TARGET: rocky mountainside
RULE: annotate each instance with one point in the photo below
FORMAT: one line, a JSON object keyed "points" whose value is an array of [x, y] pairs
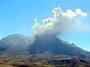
{"points": [[42, 45], [53, 45], [14, 44]]}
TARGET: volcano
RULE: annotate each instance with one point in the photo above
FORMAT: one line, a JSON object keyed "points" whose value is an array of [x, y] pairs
{"points": [[55, 46], [45, 44]]}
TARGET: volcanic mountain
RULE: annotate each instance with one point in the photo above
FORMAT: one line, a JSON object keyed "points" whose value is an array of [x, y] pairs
{"points": [[47, 44], [14, 44], [53, 45]]}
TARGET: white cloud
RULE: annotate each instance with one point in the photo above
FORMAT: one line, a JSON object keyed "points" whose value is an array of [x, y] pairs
{"points": [[60, 22], [79, 12]]}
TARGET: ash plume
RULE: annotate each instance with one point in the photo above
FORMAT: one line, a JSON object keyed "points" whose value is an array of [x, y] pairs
{"points": [[60, 22]]}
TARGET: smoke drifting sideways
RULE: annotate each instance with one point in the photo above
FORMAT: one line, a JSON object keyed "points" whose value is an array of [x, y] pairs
{"points": [[60, 22]]}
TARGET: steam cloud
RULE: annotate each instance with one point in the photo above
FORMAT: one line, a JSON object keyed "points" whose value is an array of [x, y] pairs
{"points": [[60, 22]]}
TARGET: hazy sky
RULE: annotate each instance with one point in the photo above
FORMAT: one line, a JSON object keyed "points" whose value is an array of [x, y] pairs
{"points": [[17, 16]]}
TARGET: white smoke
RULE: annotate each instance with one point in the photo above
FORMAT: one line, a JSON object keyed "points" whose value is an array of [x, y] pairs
{"points": [[60, 22]]}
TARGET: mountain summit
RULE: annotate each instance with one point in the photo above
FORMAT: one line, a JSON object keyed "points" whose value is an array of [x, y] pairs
{"points": [[20, 44], [53, 45], [14, 44]]}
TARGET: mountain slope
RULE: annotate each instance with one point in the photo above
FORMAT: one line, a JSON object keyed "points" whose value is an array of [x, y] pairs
{"points": [[40, 45], [54, 46], [14, 44]]}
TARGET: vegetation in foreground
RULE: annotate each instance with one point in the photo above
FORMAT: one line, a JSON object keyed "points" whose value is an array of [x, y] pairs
{"points": [[23, 61]]}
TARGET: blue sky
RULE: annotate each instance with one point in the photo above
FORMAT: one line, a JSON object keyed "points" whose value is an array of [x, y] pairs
{"points": [[17, 16]]}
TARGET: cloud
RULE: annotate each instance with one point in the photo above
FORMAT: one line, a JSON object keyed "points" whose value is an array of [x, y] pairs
{"points": [[60, 22]]}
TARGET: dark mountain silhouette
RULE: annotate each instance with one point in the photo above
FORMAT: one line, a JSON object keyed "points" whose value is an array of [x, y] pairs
{"points": [[14, 44], [47, 44], [53, 45]]}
